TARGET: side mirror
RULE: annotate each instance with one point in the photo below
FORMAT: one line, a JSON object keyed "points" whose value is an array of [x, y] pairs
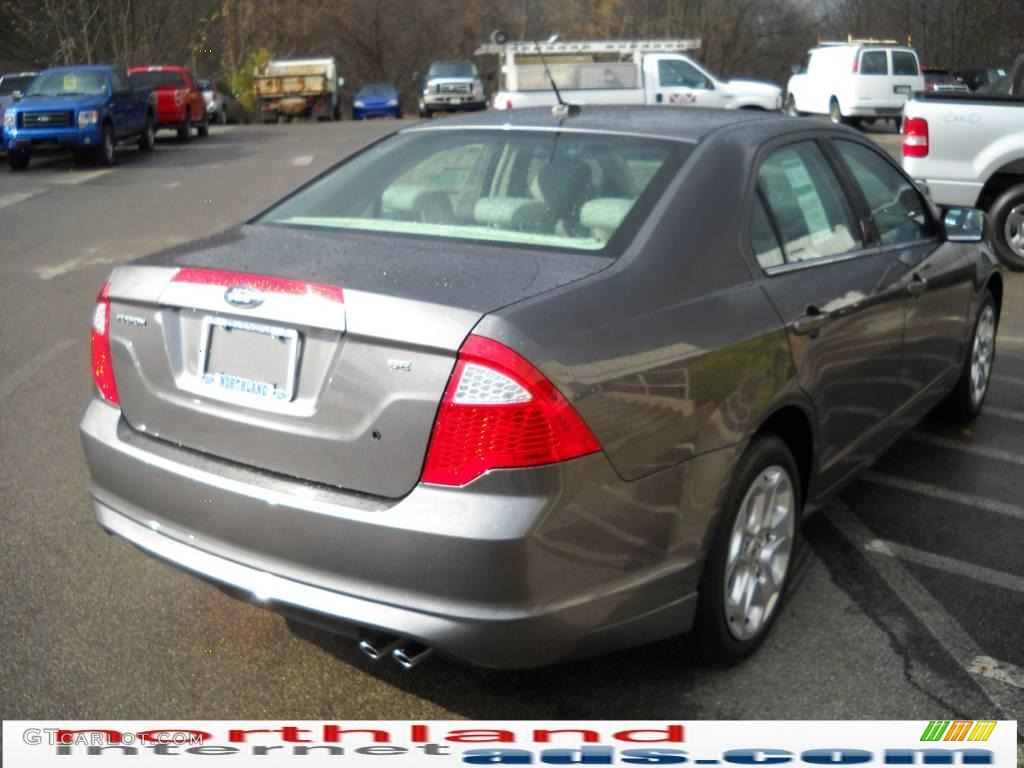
{"points": [[964, 225], [795, 69], [341, 81], [16, 95]]}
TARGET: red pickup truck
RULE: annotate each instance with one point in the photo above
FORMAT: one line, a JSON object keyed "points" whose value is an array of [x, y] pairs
{"points": [[179, 102]]}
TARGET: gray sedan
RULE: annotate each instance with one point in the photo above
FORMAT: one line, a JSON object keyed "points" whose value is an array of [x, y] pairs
{"points": [[520, 389]]}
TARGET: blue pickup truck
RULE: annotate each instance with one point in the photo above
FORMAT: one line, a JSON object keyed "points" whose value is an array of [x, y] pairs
{"points": [[88, 110]]}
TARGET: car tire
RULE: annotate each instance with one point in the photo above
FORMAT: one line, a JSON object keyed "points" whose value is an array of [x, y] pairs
{"points": [[749, 555], [203, 129], [18, 159], [185, 131], [791, 109], [968, 396], [148, 138], [337, 114], [835, 112], [1007, 217], [105, 152]]}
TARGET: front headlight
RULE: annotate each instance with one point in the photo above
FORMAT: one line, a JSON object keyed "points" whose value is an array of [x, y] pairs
{"points": [[88, 117], [392, 102], [359, 104], [8, 119]]}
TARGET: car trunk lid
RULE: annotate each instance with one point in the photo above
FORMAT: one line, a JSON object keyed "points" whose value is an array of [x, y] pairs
{"points": [[308, 354]]}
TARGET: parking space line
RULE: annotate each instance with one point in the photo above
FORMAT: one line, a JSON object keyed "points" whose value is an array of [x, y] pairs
{"points": [[23, 373], [935, 619], [1015, 380], [1002, 671], [18, 197], [945, 494], [960, 445], [947, 564], [1004, 413], [77, 177], [302, 160]]}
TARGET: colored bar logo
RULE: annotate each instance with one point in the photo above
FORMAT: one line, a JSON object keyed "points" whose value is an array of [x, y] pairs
{"points": [[958, 730]]}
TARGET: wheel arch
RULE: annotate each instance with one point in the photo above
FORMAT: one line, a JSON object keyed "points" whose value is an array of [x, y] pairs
{"points": [[792, 424], [995, 286], [1005, 177]]}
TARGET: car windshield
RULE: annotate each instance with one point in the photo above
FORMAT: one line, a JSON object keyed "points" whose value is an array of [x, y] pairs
{"points": [[452, 69], [567, 191], [376, 89], [15, 83], [204, 85], [157, 79], [65, 83]]}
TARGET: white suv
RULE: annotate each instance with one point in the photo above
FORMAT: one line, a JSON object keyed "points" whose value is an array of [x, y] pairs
{"points": [[853, 81]]}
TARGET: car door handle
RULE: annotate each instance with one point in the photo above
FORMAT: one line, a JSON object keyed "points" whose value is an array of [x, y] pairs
{"points": [[917, 285], [812, 321]]}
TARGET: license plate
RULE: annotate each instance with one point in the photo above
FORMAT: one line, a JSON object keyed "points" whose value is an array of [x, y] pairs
{"points": [[901, 88], [240, 360], [455, 100]]}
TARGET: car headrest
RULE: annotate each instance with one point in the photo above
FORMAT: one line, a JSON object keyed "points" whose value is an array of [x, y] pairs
{"points": [[604, 215], [418, 202], [513, 213]]}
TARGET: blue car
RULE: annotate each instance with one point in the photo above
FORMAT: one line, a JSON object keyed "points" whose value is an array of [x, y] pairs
{"points": [[88, 109], [377, 100]]}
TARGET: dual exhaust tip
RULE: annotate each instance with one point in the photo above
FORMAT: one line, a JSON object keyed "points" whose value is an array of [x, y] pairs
{"points": [[408, 653]]}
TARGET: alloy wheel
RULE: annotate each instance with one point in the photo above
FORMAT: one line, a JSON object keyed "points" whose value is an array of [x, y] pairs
{"points": [[982, 353], [1013, 230], [758, 557]]}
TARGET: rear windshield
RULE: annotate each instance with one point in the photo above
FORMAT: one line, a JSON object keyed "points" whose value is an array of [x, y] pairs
{"points": [[65, 83], [452, 69], [904, 63], [566, 191], [17, 83], [157, 80], [204, 85]]}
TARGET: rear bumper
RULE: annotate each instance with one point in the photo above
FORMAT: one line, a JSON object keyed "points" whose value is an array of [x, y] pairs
{"points": [[519, 569]]}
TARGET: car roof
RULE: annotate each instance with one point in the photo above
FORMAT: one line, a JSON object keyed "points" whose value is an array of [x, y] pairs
{"points": [[158, 68], [688, 124]]}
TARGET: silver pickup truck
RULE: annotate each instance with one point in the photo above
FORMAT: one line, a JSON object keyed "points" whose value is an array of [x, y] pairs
{"points": [[967, 150]]}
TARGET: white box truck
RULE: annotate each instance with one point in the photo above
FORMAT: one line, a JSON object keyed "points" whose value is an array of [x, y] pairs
{"points": [[623, 72]]}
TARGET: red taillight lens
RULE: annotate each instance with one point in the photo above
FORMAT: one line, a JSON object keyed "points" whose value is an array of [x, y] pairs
{"points": [[856, 66], [915, 137], [102, 368], [499, 412]]}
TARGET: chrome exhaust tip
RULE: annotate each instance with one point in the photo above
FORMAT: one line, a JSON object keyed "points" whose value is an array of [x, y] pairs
{"points": [[412, 654], [378, 645]]}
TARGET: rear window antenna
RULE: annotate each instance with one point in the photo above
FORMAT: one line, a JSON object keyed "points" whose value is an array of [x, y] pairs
{"points": [[563, 109]]}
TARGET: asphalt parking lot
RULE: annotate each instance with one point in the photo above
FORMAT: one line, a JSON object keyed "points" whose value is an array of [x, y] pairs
{"points": [[908, 600]]}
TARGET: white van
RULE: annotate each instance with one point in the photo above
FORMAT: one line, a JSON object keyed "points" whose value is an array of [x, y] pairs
{"points": [[856, 80]]}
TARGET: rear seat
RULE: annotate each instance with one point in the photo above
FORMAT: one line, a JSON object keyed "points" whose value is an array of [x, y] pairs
{"points": [[516, 213], [414, 203]]}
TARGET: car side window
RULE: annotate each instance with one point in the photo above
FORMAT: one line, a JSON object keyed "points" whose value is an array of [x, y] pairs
{"points": [[120, 81], [810, 208], [679, 73], [898, 208], [762, 237], [874, 63]]}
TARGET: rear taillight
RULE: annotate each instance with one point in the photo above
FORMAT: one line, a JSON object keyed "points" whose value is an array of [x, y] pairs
{"points": [[856, 66], [499, 412], [102, 368], [915, 137]]}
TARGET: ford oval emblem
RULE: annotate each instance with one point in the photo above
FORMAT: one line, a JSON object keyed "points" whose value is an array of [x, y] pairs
{"points": [[243, 296]]}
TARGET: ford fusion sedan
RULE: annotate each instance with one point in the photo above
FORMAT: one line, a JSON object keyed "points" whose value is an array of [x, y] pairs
{"points": [[518, 390]]}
